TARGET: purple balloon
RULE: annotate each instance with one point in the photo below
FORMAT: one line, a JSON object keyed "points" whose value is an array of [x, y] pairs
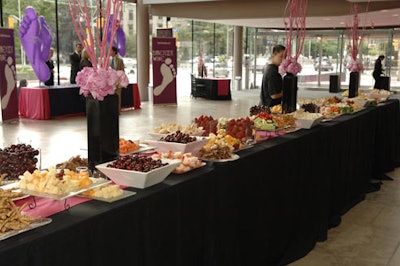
{"points": [[36, 40], [119, 39]]}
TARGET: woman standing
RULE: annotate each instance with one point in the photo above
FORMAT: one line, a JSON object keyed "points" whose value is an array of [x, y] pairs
{"points": [[378, 71]]}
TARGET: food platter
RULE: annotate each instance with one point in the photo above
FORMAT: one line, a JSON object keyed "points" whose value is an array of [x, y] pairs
{"points": [[38, 223], [165, 146], [185, 171], [96, 183], [125, 194], [233, 158], [138, 179], [143, 147], [14, 188]]}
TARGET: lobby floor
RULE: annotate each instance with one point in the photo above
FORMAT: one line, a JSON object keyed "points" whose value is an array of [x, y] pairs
{"points": [[368, 235]]}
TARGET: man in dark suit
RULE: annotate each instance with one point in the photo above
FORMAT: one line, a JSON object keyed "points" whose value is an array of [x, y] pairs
{"points": [[50, 65], [75, 59]]}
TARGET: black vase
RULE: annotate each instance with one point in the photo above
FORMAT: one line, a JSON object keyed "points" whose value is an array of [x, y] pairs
{"points": [[102, 129], [354, 84], [289, 98]]}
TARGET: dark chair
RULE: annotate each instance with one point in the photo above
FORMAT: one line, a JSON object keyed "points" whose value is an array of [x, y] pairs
{"points": [[197, 88]]}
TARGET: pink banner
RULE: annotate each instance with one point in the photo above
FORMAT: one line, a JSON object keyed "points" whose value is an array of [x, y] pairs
{"points": [[164, 70], [8, 84]]}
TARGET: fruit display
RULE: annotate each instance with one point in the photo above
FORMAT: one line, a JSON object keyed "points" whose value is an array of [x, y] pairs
{"points": [[240, 128], [265, 121], [16, 159], [310, 107], [178, 137], [127, 146], [208, 123], [256, 109], [136, 162]]}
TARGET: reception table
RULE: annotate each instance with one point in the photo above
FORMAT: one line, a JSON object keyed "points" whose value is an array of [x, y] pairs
{"points": [[50, 102], [269, 207], [214, 88]]}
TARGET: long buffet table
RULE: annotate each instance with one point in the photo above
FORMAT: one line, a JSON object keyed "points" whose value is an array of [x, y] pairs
{"points": [[269, 207], [49, 102]]}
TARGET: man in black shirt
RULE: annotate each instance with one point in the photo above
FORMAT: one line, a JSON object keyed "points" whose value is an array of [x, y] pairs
{"points": [[271, 86]]}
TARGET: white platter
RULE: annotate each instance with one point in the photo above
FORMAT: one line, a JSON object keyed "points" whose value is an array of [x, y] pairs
{"points": [[165, 146], [178, 173], [143, 147], [96, 183], [233, 158], [138, 179], [125, 194], [308, 123], [39, 222], [14, 188]]}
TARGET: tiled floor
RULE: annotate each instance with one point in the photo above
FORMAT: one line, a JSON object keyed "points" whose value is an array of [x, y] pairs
{"points": [[368, 235]]}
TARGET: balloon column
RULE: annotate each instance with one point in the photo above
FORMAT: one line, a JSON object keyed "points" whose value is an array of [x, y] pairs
{"points": [[36, 40], [119, 41]]}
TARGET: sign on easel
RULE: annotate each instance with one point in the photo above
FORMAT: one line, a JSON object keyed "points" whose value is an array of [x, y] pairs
{"points": [[8, 76], [164, 70]]}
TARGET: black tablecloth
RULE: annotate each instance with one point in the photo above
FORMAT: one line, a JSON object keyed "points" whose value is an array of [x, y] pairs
{"points": [[66, 101], [269, 207], [214, 88]]}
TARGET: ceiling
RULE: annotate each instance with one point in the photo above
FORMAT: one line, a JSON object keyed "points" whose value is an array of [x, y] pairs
{"points": [[321, 14]]}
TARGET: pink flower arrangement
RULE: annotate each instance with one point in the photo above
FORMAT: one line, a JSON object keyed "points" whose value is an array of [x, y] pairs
{"points": [[296, 21], [290, 66], [100, 82], [355, 66]]}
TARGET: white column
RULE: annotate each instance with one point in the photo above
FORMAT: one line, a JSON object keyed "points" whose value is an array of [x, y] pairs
{"points": [[143, 49], [238, 52]]}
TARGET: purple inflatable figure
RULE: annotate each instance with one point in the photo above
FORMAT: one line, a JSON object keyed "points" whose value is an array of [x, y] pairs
{"points": [[36, 40], [120, 37]]}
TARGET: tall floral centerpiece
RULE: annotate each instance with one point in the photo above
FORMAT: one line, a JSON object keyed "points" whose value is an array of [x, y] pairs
{"points": [[294, 22], [98, 83], [354, 66]]}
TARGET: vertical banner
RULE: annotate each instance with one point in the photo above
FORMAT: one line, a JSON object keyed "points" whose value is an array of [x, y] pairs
{"points": [[164, 70], [8, 84]]}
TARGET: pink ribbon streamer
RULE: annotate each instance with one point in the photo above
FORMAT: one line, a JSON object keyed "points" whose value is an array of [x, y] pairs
{"points": [[294, 23], [82, 22]]}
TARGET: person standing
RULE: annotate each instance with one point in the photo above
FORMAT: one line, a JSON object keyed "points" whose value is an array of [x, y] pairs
{"points": [[50, 65], [271, 86], [75, 60], [378, 71], [117, 63], [85, 61]]}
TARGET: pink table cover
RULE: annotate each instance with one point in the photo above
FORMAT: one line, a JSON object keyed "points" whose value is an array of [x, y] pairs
{"points": [[34, 103]]}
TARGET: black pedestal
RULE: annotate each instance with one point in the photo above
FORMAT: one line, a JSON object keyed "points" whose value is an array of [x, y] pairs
{"points": [[354, 84], [102, 129], [289, 98], [334, 83], [385, 83]]}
